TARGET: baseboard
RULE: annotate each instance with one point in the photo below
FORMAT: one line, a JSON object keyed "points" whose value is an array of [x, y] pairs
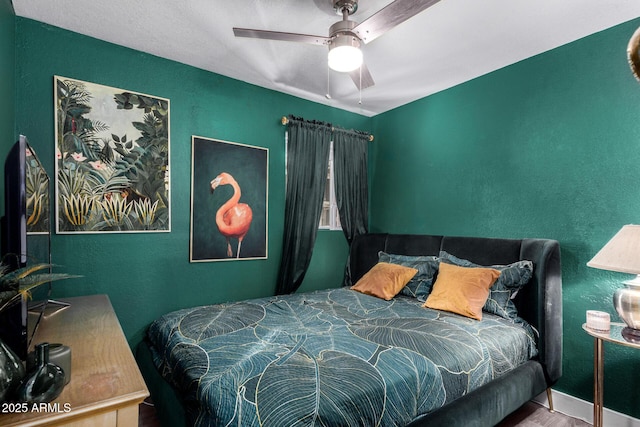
{"points": [[583, 410]]}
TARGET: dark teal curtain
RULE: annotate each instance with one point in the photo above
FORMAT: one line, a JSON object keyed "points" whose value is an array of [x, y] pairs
{"points": [[350, 167], [351, 180], [307, 158]]}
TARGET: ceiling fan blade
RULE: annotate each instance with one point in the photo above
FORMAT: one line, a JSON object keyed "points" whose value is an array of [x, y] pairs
{"points": [[276, 35], [365, 77], [390, 16]]}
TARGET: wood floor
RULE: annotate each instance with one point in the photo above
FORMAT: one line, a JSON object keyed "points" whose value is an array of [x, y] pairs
{"points": [[536, 415], [530, 415]]}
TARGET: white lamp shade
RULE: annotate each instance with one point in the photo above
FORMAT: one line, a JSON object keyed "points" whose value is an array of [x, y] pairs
{"points": [[621, 253], [345, 58]]}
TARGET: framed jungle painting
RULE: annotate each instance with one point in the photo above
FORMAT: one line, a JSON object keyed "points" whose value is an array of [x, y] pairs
{"points": [[112, 159]]}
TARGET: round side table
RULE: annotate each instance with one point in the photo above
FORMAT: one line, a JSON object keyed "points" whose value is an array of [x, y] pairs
{"points": [[615, 335]]}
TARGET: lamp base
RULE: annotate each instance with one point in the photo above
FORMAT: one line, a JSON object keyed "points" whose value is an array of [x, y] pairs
{"points": [[631, 335], [627, 303]]}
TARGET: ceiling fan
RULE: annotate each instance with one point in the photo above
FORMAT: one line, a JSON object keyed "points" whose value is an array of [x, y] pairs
{"points": [[346, 36]]}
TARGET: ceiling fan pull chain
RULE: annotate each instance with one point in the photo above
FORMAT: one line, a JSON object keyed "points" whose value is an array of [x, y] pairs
{"points": [[360, 87], [328, 94]]}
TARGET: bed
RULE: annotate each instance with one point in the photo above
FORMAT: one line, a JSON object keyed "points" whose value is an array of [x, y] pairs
{"points": [[344, 357]]}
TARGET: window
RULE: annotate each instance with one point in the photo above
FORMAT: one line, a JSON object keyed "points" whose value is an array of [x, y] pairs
{"points": [[330, 218]]}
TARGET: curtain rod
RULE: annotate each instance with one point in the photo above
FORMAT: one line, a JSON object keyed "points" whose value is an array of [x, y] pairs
{"points": [[285, 120]]}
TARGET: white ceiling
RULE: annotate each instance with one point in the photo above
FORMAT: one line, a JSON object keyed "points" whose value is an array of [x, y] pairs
{"points": [[450, 43]]}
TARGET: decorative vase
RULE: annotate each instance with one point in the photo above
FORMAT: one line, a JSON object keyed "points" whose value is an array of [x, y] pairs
{"points": [[44, 382], [11, 371], [627, 303]]}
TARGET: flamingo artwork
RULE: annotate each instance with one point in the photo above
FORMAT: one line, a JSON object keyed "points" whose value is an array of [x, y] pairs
{"points": [[232, 218]]}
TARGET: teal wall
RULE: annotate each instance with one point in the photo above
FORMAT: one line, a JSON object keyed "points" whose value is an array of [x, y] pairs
{"points": [[548, 147], [149, 274], [7, 80]]}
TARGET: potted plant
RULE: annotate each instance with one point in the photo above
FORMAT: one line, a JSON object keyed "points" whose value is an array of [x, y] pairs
{"points": [[14, 285], [20, 282]]}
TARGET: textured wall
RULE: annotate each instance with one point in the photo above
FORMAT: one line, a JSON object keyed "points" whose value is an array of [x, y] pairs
{"points": [[7, 81], [146, 275], [548, 147]]}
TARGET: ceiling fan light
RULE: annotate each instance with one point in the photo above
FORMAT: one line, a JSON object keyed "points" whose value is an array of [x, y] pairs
{"points": [[345, 57]]}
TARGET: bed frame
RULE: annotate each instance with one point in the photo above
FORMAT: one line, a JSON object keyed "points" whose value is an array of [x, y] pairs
{"points": [[539, 302]]}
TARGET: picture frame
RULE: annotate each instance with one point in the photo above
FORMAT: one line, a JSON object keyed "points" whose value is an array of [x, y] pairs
{"points": [[37, 192], [112, 159], [229, 201]]}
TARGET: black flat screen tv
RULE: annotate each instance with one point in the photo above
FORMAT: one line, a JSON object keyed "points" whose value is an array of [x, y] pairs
{"points": [[26, 240], [14, 230], [13, 319]]}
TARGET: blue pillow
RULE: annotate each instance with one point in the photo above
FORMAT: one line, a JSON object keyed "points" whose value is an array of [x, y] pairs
{"points": [[512, 278], [420, 285]]}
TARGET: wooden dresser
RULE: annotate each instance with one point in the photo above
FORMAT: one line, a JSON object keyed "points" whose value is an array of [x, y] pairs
{"points": [[106, 386]]}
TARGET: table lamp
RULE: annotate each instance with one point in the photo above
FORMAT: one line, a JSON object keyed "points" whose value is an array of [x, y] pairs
{"points": [[622, 254]]}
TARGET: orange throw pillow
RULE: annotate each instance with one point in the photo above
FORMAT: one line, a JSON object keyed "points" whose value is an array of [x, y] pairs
{"points": [[461, 290], [384, 280]]}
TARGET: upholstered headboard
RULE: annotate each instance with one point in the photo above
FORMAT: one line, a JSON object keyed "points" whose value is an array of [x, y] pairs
{"points": [[539, 302]]}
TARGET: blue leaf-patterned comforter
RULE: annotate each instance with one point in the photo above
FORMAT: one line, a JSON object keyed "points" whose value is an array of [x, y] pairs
{"points": [[329, 358]]}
